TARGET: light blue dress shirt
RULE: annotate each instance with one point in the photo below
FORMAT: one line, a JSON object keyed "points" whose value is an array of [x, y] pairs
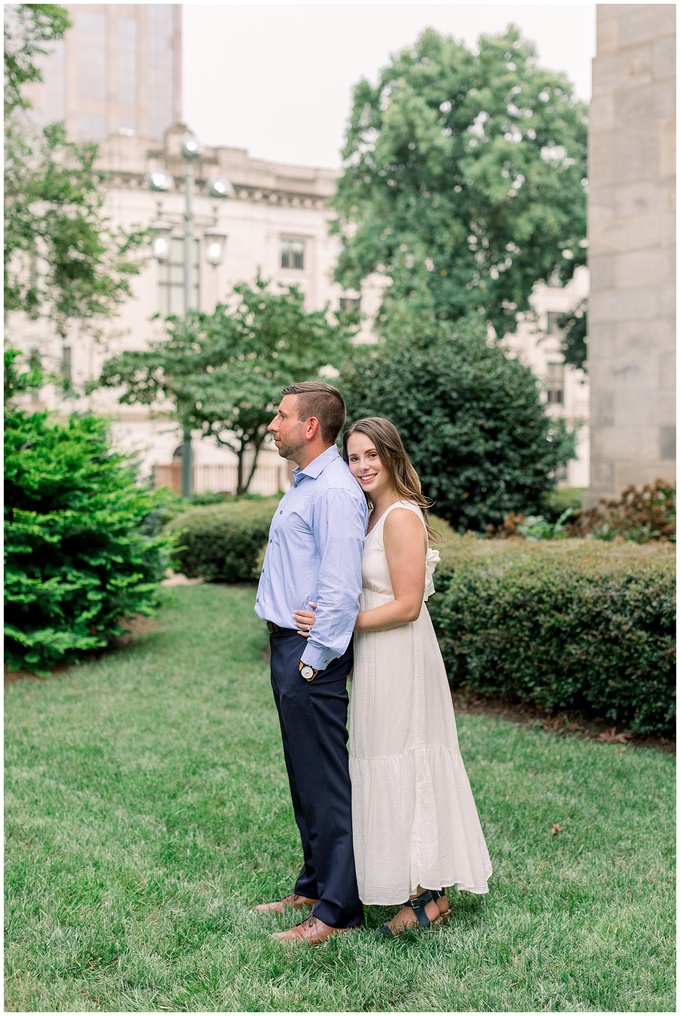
{"points": [[316, 541]]}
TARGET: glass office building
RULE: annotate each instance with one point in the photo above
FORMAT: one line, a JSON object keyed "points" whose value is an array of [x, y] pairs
{"points": [[117, 70]]}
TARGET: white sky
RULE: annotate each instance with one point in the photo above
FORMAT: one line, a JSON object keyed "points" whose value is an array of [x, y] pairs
{"points": [[277, 78]]}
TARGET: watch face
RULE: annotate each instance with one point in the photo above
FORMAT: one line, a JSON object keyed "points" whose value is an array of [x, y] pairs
{"points": [[307, 672]]}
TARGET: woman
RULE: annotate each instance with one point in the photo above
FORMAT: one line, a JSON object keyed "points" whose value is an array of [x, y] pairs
{"points": [[416, 828]]}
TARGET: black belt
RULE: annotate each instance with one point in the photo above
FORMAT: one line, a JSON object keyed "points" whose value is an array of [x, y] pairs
{"points": [[276, 629]]}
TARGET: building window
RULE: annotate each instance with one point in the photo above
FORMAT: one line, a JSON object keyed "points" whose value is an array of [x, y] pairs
{"points": [[35, 364], [352, 304], [293, 254], [171, 279], [66, 368], [555, 384], [552, 327]]}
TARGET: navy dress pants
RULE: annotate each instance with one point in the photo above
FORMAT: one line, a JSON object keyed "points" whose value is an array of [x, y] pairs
{"points": [[313, 717]]}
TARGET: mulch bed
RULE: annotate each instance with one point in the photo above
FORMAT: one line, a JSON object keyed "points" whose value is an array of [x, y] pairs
{"points": [[563, 724]]}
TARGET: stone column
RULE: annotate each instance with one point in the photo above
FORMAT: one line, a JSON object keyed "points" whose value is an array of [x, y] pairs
{"points": [[632, 249]]}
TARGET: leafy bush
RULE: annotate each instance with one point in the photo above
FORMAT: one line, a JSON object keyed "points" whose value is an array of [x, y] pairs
{"points": [[563, 625], [78, 555], [166, 506], [471, 418], [536, 527], [642, 516], [639, 515], [533, 527], [222, 543], [561, 498]]}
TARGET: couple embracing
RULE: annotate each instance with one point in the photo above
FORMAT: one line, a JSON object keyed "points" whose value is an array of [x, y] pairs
{"points": [[395, 821]]}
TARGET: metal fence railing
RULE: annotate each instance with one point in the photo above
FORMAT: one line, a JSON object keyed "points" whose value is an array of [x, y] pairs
{"points": [[269, 478]]}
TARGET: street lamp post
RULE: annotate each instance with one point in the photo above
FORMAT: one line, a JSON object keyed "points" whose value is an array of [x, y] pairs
{"points": [[189, 152], [160, 181]]}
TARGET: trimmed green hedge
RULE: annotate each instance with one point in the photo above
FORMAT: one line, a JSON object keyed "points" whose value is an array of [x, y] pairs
{"points": [[570, 624], [223, 542]]}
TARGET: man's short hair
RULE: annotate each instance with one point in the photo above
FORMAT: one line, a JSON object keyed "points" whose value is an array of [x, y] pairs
{"points": [[316, 398]]}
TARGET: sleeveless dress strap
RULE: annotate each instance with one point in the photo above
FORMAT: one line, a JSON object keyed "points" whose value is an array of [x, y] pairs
{"points": [[404, 504], [431, 557]]}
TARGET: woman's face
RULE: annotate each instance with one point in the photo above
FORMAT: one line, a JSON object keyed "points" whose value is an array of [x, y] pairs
{"points": [[365, 464]]}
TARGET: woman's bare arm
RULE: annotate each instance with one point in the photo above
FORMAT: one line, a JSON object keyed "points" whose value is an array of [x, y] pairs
{"points": [[405, 548]]}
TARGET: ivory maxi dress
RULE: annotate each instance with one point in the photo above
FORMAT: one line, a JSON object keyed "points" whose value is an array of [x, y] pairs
{"points": [[413, 813]]}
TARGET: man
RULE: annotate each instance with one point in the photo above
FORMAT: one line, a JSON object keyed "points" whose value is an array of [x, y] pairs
{"points": [[314, 556]]}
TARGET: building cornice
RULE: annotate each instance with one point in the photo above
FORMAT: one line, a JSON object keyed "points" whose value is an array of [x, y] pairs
{"points": [[251, 193], [125, 162]]}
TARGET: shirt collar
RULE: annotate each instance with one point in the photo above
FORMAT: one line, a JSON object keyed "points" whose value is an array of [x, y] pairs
{"points": [[314, 468]]}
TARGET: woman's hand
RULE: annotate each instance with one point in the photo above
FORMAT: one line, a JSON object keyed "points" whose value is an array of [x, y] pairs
{"points": [[304, 620]]}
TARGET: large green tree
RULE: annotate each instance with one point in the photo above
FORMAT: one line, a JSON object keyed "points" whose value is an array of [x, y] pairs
{"points": [[222, 373], [62, 259], [463, 182], [471, 418]]}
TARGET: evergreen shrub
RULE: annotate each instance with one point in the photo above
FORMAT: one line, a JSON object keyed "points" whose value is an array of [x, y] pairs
{"points": [[79, 556], [471, 418], [223, 542], [564, 625]]}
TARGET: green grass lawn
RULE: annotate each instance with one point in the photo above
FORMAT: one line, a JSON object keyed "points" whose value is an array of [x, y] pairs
{"points": [[147, 811]]}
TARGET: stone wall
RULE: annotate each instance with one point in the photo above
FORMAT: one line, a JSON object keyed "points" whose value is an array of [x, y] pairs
{"points": [[632, 248]]}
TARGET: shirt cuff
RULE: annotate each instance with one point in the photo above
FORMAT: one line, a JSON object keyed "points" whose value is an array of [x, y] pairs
{"points": [[318, 658]]}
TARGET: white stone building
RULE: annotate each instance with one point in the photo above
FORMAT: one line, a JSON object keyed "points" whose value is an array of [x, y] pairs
{"points": [[566, 391], [276, 220]]}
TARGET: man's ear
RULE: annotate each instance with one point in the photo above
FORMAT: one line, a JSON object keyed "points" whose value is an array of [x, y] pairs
{"points": [[312, 428]]}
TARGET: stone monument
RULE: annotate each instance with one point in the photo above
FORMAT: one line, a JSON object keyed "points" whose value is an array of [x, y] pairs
{"points": [[631, 355]]}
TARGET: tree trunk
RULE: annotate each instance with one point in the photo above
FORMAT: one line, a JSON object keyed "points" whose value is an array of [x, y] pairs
{"points": [[257, 444], [240, 489]]}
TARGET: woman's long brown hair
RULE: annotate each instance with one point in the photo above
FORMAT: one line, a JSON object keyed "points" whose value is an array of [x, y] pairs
{"points": [[392, 454]]}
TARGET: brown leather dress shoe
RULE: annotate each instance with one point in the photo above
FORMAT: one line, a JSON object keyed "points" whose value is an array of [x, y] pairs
{"points": [[311, 930], [278, 907]]}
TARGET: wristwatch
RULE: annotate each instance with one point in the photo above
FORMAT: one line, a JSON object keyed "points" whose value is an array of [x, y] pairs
{"points": [[307, 672]]}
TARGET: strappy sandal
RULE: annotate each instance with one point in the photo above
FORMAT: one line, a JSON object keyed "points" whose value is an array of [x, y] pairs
{"points": [[417, 905], [439, 894]]}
